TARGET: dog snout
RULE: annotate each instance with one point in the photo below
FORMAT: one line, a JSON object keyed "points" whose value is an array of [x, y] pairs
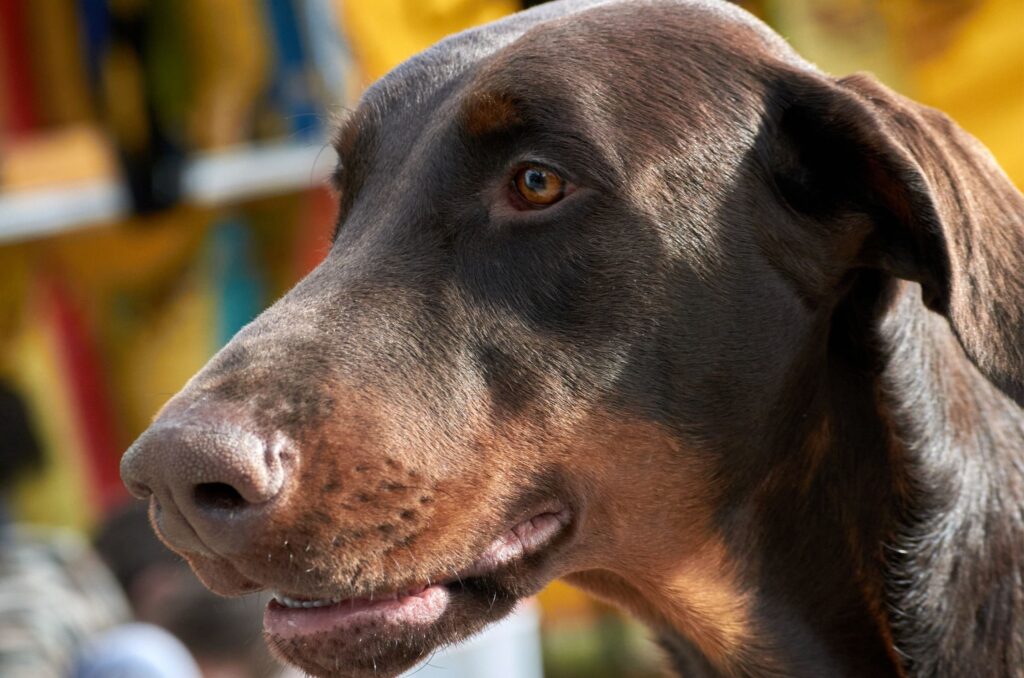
{"points": [[213, 484]]}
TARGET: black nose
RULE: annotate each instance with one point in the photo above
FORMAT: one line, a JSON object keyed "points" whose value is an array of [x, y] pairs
{"points": [[214, 482]]}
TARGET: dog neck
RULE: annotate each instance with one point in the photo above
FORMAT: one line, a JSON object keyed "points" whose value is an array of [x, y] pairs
{"points": [[870, 525], [880, 533], [887, 533]]}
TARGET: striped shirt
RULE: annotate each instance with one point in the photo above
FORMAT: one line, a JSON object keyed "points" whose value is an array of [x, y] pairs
{"points": [[55, 594]]}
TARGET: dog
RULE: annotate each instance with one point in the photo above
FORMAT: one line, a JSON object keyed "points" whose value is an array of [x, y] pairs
{"points": [[629, 294]]}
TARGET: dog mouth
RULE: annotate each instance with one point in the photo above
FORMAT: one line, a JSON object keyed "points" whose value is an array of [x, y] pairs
{"points": [[386, 632]]}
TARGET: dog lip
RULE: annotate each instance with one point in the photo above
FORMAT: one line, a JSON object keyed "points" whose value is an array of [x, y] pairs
{"points": [[283, 619], [524, 538], [291, 615]]}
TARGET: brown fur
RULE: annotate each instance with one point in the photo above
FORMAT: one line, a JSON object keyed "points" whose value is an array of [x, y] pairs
{"points": [[766, 353], [484, 113]]}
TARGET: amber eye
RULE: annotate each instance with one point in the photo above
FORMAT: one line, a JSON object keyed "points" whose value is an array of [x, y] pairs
{"points": [[538, 185]]}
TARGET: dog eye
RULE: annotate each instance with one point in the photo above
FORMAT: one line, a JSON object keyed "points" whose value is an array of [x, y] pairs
{"points": [[539, 186]]}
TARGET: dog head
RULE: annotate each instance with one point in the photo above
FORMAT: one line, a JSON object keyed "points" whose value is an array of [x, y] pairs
{"points": [[579, 254]]}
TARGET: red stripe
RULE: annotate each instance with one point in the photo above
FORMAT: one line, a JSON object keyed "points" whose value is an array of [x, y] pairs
{"points": [[16, 69], [89, 395]]}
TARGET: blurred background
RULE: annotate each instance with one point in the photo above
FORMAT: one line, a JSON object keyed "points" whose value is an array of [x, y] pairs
{"points": [[161, 181]]}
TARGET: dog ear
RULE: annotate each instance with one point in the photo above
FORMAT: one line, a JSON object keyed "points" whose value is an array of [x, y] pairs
{"points": [[919, 198]]}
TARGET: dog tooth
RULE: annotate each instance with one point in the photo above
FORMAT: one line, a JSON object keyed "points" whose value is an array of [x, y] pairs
{"points": [[295, 603]]}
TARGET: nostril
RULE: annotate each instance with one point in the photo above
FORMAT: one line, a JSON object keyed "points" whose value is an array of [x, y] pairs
{"points": [[138, 490], [218, 496]]}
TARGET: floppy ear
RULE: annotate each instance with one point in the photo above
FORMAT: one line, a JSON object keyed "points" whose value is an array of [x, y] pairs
{"points": [[928, 204]]}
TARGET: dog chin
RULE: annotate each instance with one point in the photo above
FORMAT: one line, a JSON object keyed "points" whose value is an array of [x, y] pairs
{"points": [[385, 633], [390, 634]]}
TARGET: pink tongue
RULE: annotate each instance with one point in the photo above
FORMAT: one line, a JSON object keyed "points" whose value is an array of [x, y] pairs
{"points": [[421, 609]]}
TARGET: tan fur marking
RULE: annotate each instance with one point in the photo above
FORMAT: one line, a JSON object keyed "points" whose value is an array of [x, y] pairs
{"points": [[651, 516], [388, 498], [646, 539], [485, 113]]}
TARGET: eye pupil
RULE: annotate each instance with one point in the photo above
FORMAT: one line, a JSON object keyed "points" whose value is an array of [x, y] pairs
{"points": [[536, 180]]}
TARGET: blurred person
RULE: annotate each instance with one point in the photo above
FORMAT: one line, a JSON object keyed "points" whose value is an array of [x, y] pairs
{"points": [[55, 594], [136, 651], [224, 635]]}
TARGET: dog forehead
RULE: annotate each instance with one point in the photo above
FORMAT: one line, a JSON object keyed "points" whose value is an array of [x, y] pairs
{"points": [[566, 28], [421, 75]]}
